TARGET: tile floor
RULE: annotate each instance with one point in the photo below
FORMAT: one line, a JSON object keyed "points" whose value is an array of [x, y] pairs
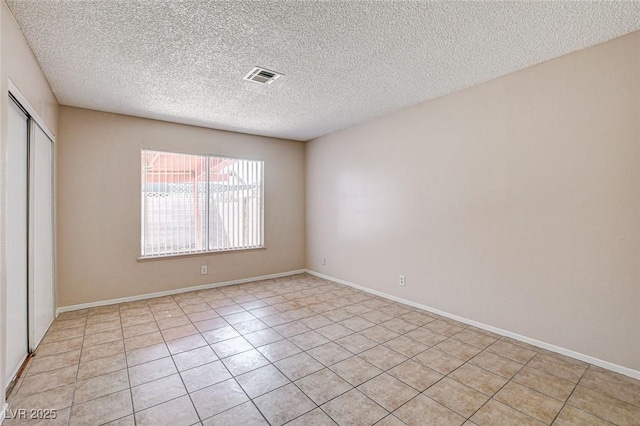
{"points": [[304, 351]]}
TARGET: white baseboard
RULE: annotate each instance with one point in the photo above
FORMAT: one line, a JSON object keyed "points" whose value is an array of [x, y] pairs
{"points": [[176, 291], [553, 348]]}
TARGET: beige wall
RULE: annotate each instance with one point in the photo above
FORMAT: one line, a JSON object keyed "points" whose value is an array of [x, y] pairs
{"points": [[18, 64], [515, 203], [98, 214]]}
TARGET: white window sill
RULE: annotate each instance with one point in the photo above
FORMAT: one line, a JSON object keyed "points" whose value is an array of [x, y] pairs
{"points": [[204, 253]]}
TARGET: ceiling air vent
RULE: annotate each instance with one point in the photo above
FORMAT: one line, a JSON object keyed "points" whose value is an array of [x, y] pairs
{"points": [[262, 76]]}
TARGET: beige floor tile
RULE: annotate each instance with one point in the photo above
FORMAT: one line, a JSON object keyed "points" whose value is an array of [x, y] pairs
{"points": [[422, 410], [245, 362], [205, 375], [100, 386], [220, 334], [406, 346], [604, 406], [138, 320], [446, 327], [142, 341], [415, 374], [308, 340], [356, 343], [140, 329], [103, 337], [102, 351], [323, 386], [101, 366], [49, 380], [383, 357], [178, 332], [184, 344], [458, 349], [387, 391], [612, 384], [298, 366], [315, 417], [379, 334], [426, 337], [203, 315], [354, 408], [571, 416], [479, 379], [473, 338], [558, 367], [351, 321], [177, 412], [102, 410], [231, 347], [264, 311], [334, 331], [376, 316], [337, 315], [62, 334], [390, 420], [157, 392], [545, 383], [329, 353], [229, 309], [59, 347], [220, 397], [194, 358], [291, 329], [150, 371], [277, 319], [418, 318], [250, 326], [243, 414], [210, 324], [457, 397], [54, 399], [437, 360], [399, 325], [316, 321], [355, 370], [496, 364], [357, 323], [102, 327], [530, 402], [513, 352], [284, 404], [171, 321], [123, 421], [495, 413], [149, 353], [278, 350], [41, 364], [263, 337], [261, 380]]}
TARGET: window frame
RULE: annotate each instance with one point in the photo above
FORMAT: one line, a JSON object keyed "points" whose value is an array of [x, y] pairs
{"points": [[207, 251]]}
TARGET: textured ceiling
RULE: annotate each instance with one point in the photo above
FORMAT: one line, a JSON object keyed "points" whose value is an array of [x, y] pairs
{"points": [[344, 62]]}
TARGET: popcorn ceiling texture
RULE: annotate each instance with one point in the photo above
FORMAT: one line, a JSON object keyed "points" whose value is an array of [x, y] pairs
{"points": [[344, 62]]}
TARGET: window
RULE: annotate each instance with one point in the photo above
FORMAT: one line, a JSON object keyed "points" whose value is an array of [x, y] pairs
{"points": [[199, 204]]}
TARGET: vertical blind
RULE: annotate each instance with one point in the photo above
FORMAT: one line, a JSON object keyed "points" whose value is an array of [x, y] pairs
{"points": [[199, 203]]}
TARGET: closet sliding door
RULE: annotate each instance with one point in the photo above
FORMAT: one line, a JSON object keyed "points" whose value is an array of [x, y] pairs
{"points": [[41, 240], [17, 346]]}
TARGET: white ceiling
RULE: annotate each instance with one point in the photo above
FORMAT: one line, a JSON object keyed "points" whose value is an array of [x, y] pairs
{"points": [[344, 62]]}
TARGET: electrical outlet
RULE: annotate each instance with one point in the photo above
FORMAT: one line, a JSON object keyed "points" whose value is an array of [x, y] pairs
{"points": [[324, 260], [402, 281], [203, 270]]}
